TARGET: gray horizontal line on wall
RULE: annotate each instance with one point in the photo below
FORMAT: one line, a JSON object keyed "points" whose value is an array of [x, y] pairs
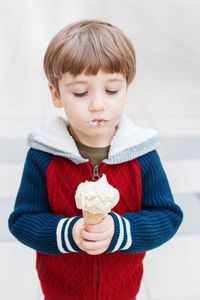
{"points": [[189, 203], [180, 147], [14, 150]]}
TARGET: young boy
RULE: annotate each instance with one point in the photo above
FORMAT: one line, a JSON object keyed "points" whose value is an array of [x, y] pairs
{"points": [[90, 65]]}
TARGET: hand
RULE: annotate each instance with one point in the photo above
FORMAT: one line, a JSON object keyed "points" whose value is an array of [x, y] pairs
{"points": [[95, 239], [76, 232]]}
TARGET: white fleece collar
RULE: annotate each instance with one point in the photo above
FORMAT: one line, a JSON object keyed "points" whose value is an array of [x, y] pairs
{"points": [[55, 138], [129, 135]]}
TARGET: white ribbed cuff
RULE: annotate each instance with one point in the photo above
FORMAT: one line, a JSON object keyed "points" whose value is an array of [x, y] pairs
{"points": [[63, 241], [124, 240]]}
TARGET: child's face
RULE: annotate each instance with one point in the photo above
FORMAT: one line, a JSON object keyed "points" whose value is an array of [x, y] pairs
{"points": [[93, 105]]}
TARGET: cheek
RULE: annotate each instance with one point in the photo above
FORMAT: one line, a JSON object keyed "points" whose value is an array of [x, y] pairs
{"points": [[74, 114], [117, 112], [115, 115], [118, 108], [70, 108]]}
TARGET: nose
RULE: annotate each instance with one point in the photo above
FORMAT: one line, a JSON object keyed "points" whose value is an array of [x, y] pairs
{"points": [[97, 103]]}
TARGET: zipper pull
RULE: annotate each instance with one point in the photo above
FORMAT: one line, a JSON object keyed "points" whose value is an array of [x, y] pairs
{"points": [[95, 172]]}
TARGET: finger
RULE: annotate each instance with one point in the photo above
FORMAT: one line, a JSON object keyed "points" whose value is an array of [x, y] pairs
{"points": [[95, 228], [96, 252], [93, 246], [103, 226], [90, 236]]}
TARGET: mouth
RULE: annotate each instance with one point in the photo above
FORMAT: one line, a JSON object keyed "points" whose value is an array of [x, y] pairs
{"points": [[96, 122]]}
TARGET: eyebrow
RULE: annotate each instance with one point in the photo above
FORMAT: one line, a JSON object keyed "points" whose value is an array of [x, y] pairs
{"points": [[75, 82], [83, 81], [116, 79]]}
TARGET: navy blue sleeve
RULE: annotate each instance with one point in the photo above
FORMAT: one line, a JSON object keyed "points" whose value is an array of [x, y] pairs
{"points": [[32, 221], [159, 218]]}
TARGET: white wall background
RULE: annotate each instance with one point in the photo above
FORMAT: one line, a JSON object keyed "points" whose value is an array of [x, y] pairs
{"points": [[165, 33], [165, 95]]}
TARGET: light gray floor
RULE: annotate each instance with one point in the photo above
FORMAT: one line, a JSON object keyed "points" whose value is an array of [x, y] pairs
{"points": [[165, 95]]}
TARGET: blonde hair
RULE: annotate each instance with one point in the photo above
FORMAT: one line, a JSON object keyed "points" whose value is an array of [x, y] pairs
{"points": [[89, 45]]}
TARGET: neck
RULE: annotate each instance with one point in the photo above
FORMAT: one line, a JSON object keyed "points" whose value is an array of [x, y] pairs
{"points": [[93, 141]]}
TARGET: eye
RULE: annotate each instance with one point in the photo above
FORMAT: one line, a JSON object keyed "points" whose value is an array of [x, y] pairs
{"points": [[80, 94], [112, 92]]}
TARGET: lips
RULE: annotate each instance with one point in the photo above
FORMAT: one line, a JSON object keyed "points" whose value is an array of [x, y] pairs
{"points": [[96, 122]]}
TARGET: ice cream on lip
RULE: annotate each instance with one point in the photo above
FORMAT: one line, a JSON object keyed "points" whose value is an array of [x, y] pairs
{"points": [[96, 197], [98, 122]]}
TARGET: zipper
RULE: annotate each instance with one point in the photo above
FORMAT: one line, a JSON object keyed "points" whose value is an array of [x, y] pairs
{"points": [[95, 171], [97, 279]]}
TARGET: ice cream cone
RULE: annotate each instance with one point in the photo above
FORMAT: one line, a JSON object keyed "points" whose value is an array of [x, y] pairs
{"points": [[92, 219], [96, 199]]}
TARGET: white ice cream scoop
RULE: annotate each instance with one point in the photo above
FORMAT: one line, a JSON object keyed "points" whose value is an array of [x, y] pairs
{"points": [[96, 197]]}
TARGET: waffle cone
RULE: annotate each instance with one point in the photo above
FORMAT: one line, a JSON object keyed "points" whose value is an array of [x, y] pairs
{"points": [[92, 219]]}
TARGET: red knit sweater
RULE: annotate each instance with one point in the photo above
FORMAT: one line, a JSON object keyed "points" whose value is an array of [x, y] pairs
{"points": [[74, 275]]}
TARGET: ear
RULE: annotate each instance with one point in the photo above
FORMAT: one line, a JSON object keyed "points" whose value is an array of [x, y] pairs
{"points": [[126, 98], [55, 97]]}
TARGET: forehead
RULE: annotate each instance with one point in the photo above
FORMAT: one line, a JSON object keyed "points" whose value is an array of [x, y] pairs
{"points": [[101, 77]]}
